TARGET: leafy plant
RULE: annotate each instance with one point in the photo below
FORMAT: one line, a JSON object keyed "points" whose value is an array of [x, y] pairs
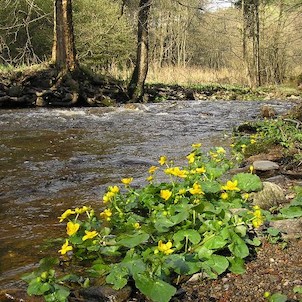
{"points": [[192, 222]]}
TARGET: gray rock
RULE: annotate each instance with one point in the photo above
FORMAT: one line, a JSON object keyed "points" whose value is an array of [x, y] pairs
{"points": [[290, 228], [270, 195], [265, 165], [106, 293]]}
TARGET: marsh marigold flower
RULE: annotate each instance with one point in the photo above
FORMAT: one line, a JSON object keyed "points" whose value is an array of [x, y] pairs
{"points": [[165, 248], [196, 189], [66, 214], [258, 218], [220, 150], [195, 146], [165, 194], [114, 189], [201, 170], [108, 197], [231, 186], [162, 160], [191, 158], [224, 195], [106, 214], [72, 228], [65, 248], [89, 235], [127, 181], [152, 169], [176, 171], [81, 210]]}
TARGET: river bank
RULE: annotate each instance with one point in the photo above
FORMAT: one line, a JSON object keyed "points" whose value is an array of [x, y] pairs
{"points": [[46, 87]]}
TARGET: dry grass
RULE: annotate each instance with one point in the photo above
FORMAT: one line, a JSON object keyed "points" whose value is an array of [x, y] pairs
{"points": [[185, 75], [194, 75]]}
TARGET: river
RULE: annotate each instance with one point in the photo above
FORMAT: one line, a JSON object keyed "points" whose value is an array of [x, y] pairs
{"points": [[54, 159]]}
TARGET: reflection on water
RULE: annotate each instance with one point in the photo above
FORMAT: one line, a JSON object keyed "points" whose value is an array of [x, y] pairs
{"points": [[53, 159]]}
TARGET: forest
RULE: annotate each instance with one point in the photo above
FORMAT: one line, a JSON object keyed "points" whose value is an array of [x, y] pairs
{"points": [[251, 43], [137, 215]]}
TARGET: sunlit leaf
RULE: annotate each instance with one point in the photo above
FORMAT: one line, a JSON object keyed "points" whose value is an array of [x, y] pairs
{"points": [[155, 289], [248, 182]]}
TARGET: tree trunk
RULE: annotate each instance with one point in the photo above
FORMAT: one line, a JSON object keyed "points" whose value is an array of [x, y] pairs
{"points": [[63, 51], [137, 83]]}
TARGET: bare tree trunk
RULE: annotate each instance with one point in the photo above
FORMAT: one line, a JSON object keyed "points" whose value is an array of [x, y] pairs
{"points": [[137, 83], [63, 52]]}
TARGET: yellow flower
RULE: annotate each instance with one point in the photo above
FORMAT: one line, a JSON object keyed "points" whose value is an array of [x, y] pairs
{"points": [[152, 169], [224, 195], [89, 235], [196, 189], [258, 218], [176, 171], [195, 146], [65, 248], [106, 214], [81, 210], [243, 148], [136, 225], [165, 194], [253, 141], [220, 150], [127, 181], [114, 189], [251, 168], [182, 191], [66, 214], [245, 196], [165, 247], [231, 186], [162, 160], [201, 170], [108, 197], [72, 228], [191, 158]]}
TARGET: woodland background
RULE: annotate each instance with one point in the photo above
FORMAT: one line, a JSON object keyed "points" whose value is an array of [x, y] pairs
{"points": [[252, 42]]}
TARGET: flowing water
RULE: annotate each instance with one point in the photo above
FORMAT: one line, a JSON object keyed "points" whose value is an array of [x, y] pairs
{"points": [[54, 159]]}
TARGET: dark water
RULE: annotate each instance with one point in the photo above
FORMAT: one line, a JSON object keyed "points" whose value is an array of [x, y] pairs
{"points": [[54, 159]]}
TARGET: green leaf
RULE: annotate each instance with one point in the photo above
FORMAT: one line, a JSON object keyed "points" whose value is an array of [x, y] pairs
{"points": [[36, 287], [60, 294], [163, 225], [183, 265], [241, 230], [277, 297], [238, 247], [218, 263], [211, 187], [273, 231], [215, 243], [176, 219], [118, 277], [204, 253], [132, 241], [291, 212], [155, 289], [236, 265], [298, 289], [248, 182], [191, 234]]}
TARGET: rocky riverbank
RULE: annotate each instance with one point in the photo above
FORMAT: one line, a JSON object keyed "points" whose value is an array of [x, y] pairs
{"points": [[46, 87]]}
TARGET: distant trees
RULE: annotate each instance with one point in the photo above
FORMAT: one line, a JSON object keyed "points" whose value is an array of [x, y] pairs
{"points": [[263, 36], [25, 31]]}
